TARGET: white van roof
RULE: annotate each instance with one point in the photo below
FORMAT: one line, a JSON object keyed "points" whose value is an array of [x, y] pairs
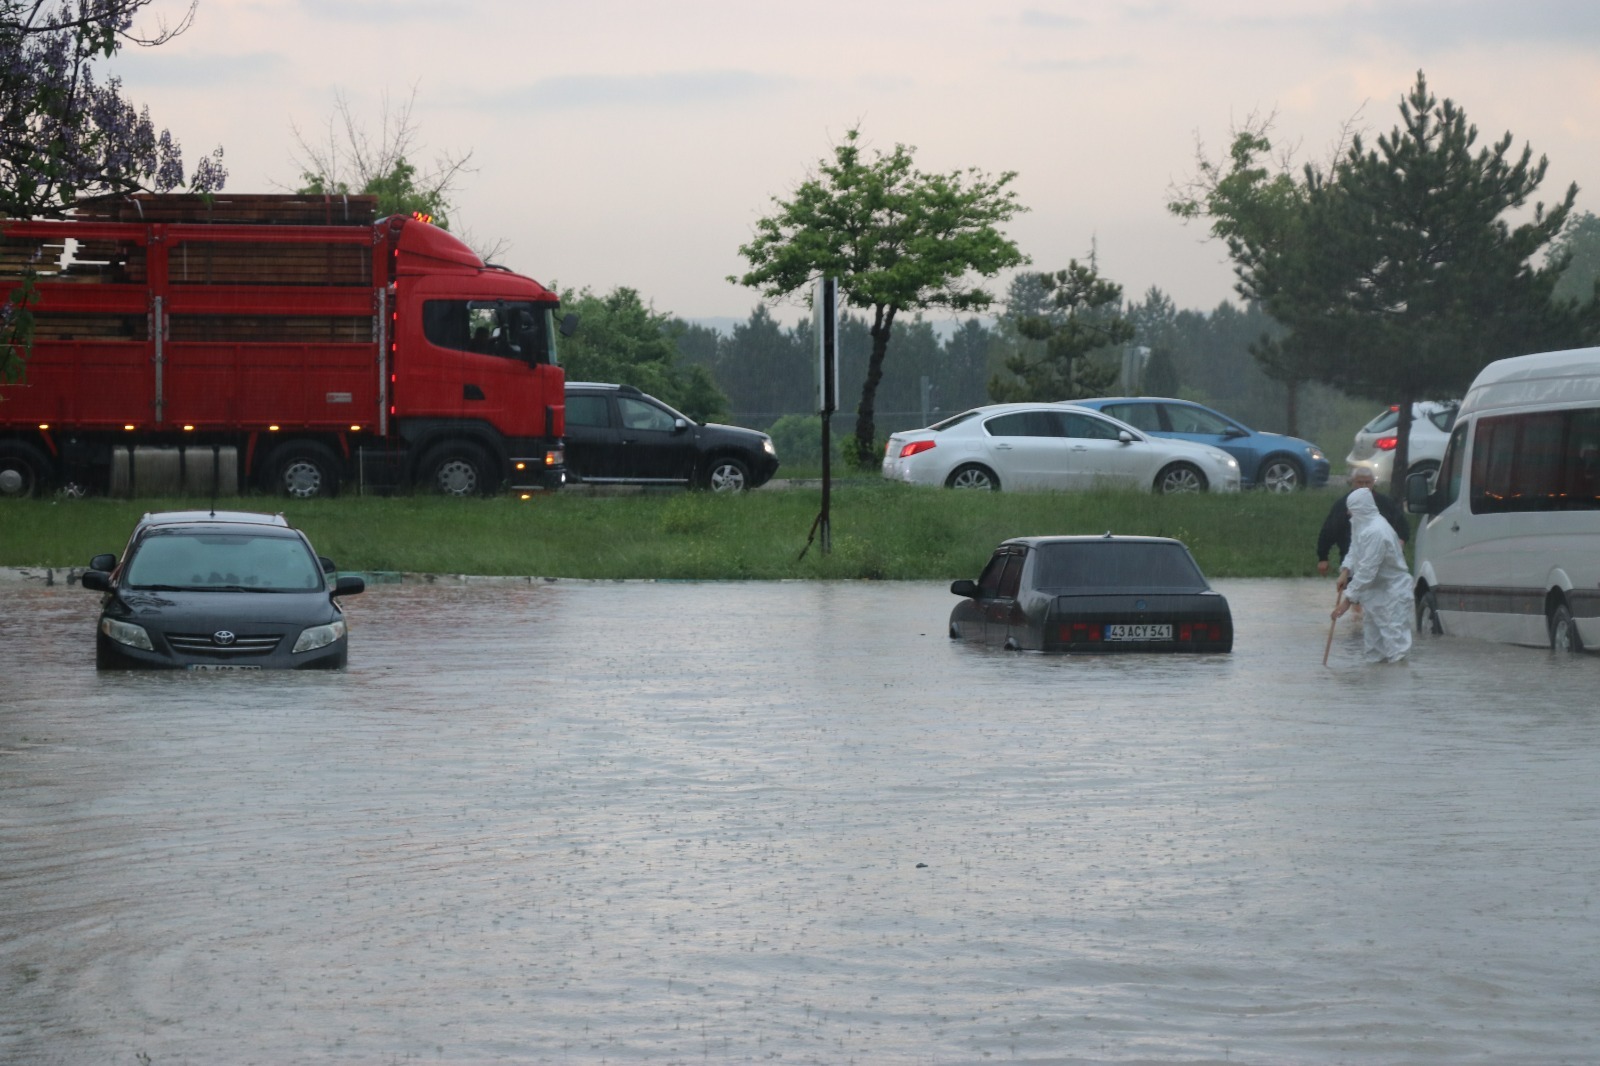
{"points": [[1549, 379]]}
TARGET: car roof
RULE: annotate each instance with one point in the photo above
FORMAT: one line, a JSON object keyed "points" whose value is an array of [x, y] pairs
{"points": [[605, 386], [1102, 538], [166, 518], [157, 523]]}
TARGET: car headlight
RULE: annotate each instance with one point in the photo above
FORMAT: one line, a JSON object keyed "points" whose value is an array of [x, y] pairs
{"points": [[127, 633], [1316, 455], [766, 446], [319, 636]]}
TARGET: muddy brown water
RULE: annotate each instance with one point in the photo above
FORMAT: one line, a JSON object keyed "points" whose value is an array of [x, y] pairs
{"points": [[686, 823]]}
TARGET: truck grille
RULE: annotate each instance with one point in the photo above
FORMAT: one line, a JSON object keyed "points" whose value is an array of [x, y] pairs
{"points": [[204, 644]]}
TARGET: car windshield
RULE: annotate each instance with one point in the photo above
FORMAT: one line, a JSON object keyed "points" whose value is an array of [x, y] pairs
{"points": [[198, 560], [1112, 565]]}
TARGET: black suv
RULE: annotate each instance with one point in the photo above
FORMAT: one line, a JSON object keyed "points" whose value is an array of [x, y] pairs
{"points": [[619, 435]]}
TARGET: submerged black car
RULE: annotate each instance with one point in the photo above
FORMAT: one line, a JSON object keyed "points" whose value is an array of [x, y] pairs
{"points": [[219, 590], [619, 435], [1100, 594]]}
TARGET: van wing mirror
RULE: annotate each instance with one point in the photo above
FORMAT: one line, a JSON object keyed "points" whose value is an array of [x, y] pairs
{"points": [[1419, 493]]}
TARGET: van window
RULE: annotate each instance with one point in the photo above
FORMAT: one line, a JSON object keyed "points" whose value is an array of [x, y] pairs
{"points": [[1448, 481], [1545, 461]]}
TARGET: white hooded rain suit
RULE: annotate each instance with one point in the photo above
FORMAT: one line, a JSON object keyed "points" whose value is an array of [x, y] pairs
{"points": [[1379, 581]]}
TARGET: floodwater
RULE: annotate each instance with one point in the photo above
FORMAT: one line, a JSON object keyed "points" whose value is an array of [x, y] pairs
{"points": [[688, 823]]}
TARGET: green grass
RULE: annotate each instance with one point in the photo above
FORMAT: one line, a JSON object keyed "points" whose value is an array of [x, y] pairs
{"points": [[881, 531]]}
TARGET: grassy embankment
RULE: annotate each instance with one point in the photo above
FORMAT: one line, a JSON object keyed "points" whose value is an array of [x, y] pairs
{"points": [[880, 531]]}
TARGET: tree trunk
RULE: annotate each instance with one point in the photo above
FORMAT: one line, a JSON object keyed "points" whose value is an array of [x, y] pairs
{"points": [[1402, 448], [866, 430]]}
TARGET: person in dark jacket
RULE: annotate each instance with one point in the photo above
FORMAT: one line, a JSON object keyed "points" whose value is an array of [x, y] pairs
{"points": [[1336, 527]]}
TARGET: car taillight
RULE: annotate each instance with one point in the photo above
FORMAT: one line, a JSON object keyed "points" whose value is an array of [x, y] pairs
{"points": [[1078, 632], [914, 447], [1387, 444], [1192, 631]]}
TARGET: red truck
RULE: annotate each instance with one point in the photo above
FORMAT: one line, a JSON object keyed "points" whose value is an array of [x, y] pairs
{"points": [[299, 345]]}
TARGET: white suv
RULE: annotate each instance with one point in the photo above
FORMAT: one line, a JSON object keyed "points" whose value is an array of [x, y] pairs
{"points": [[1430, 430]]}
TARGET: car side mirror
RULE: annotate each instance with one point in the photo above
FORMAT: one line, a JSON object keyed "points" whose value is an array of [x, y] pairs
{"points": [[1125, 437], [679, 425], [95, 580], [965, 587], [348, 586], [1234, 433], [103, 563]]}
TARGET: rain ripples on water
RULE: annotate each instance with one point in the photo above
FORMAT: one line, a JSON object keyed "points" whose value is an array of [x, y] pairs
{"points": [[667, 823]]}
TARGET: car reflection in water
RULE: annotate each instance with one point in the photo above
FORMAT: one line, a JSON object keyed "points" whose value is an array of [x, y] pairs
{"points": [[1098, 594], [228, 590]]}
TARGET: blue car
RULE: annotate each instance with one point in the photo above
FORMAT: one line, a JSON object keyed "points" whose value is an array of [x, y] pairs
{"points": [[1270, 460]]}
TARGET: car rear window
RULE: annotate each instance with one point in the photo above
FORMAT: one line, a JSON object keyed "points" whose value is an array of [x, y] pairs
{"points": [[1388, 420], [1111, 565]]}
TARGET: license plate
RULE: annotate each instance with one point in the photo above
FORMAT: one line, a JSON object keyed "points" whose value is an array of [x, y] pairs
{"points": [[220, 666], [1139, 632]]}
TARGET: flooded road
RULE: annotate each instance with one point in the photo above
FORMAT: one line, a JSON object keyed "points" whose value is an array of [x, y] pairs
{"points": [[685, 823]]}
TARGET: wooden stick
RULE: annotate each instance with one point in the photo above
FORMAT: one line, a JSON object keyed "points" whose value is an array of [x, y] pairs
{"points": [[1338, 594]]}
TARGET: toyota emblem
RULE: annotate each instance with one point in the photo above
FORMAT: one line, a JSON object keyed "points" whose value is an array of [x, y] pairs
{"points": [[223, 637]]}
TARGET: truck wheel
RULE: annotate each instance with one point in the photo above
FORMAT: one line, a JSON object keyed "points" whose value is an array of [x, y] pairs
{"points": [[304, 470], [458, 469], [24, 470]]}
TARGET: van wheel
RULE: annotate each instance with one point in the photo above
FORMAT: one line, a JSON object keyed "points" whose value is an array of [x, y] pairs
{"points": [[1563, 633], [1428, 615]]}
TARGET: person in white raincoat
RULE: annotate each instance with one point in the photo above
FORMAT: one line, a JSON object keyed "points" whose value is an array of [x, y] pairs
{"points": [[1375, 576]]}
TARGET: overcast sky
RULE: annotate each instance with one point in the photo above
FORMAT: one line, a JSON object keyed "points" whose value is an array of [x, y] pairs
{"points": [[635, 143]]}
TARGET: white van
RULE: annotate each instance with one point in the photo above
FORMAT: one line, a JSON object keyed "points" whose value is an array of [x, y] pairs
{"points": [[1509, 549]]}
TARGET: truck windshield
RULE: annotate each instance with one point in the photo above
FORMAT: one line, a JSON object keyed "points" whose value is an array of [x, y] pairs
{"points": [[511, 329]]}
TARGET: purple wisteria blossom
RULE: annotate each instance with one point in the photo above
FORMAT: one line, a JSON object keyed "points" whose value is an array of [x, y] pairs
{"points": [[63, 135]]}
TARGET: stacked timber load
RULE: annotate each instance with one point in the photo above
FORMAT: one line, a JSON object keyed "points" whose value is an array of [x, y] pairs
{"points": [[263, 209]]}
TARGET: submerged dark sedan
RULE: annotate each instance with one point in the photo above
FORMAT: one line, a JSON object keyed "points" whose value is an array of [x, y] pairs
{"points": [[1101, 594], [219, 590]]}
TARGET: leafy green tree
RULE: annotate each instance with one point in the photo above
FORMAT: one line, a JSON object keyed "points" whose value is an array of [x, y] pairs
{"points": [[352, 160], [965, 380], [1086, 317], [625, 342], [1579, 248], [1396, 274], [896, 239]]}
